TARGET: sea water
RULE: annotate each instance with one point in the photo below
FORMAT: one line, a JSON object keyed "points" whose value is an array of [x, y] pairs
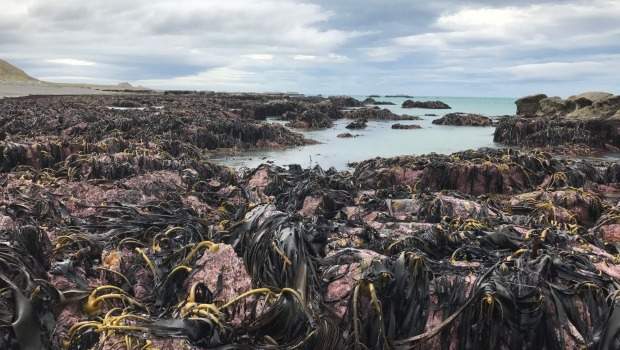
{"points": [[380, 140]]}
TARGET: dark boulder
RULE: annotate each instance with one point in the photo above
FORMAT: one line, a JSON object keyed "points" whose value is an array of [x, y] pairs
{"points": [[425, 104]]}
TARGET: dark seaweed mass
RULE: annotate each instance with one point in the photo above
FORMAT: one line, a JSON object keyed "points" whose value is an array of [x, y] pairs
{"points": [[117, 232]]}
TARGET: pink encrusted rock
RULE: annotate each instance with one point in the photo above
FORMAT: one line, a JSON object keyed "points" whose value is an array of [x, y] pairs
{"points": [[143, 288], [403, 208], [399, 230], [336, 295], [352, 213], [407, 176], [258, 182], [6, 223], [450, 206], [610, 233], [436, 314], [173, 344], [69, 316], [311, 206], [346, 237], [462, 207], [233, 194], [197, 205], [224, 262], [154, 183], [612, 270], [570, 205]]}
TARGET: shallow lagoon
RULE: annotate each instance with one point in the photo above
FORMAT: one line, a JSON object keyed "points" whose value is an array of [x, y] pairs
{"points": [[379, 140]]}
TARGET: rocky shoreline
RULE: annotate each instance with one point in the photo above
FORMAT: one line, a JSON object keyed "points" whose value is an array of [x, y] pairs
{"points": [[117, 229]]}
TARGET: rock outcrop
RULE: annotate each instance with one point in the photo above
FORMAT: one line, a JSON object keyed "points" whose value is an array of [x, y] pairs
{"points": [[311, 119], [589, 105], [529, 105], [591, 119], [425, 104], [464, 119]]}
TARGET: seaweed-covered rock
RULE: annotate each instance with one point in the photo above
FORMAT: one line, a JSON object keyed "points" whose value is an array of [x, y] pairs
{"points": [[537, 132], [405, 126], [345, 101], [425, 104], [375, 113], [311, 119], [358, 124], [464, 119]]}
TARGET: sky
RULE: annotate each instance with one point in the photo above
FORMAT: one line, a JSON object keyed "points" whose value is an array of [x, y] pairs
{"points": [[427, 48]]}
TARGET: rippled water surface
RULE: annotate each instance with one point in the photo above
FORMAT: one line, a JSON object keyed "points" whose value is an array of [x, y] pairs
{"points": [[379, 140]]}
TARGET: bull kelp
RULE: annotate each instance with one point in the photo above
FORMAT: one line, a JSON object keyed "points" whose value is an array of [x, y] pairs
{"points": [[130, 238]]}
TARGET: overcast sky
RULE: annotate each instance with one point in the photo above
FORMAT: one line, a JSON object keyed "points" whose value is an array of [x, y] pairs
{"points": [[438, 47]]}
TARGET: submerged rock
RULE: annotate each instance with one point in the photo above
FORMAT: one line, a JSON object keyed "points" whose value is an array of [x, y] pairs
{"points": [[425, 104]]}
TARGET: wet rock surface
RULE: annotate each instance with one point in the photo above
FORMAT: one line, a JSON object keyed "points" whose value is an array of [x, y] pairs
{"points": [[464, 119], [425, 104], [113, 236]]}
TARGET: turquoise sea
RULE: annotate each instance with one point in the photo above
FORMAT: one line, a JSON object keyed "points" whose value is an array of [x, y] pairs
{"points": [[379, 140]]}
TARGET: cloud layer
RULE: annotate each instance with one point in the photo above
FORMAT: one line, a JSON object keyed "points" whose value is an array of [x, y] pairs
{"points": [[489, 48]]}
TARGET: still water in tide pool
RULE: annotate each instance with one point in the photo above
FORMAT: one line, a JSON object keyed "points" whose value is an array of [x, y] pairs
{"points": [[380, 140]]}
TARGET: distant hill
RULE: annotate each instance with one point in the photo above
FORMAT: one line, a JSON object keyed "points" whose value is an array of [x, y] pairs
{"points": [[15, 82], [10, 73]]}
